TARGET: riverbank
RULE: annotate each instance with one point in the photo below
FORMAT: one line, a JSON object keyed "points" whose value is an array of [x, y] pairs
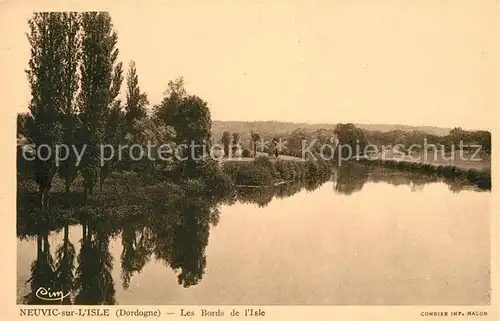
{"points": [[478, 177], [127, 194], [271, 158], [265, 171]]}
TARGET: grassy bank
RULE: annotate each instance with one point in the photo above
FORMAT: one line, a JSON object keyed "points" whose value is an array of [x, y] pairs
{"points": [[478, 177]]}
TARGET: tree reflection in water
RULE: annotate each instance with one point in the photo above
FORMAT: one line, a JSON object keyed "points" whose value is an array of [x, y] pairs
{"points": [[350, 178], [181, 236], [94, 283], [263, 196], [167, 222], [137, 250], [42, 269], [65, 266]]}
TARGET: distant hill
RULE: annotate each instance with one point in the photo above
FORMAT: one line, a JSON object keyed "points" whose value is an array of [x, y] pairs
{"points": [[439, 131], [284, 128]]}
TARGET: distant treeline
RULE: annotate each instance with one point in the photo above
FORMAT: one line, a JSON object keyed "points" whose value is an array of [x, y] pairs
{"points": [[285, 128], [295, 133]]}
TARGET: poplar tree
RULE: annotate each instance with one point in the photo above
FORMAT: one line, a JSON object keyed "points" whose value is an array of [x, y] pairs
{"points": [[45, 76], [70, 61], [135, 108], [101, 78], [114, 135]]}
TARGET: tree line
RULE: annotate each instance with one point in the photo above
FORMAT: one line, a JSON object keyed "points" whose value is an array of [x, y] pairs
{"points": [[75, 78], [350, 134]]}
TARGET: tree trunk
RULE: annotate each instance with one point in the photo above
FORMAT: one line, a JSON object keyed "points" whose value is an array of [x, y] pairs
{"points": [[66, 234], [84, 231], [85, 194], [66, 193], [44, 197], [101, 181]]}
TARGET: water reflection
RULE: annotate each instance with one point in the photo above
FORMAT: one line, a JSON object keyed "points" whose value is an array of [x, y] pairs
{"points": [[65, 266], [172, 228], [42, 269], [137, 249], [94, 283], [350, 178], [263, 196]]}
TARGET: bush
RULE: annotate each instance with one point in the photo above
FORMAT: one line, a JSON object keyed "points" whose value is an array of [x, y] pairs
{"points": [[254, 176], [246, 153], [216, 180], [264, 172], [263, 161], [260, 172], [289, 170]]}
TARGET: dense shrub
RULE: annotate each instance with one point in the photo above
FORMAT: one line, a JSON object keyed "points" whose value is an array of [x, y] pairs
{"points": [[217, 182], [264, 172], [246, 153], [255, 174], [285, 170]]}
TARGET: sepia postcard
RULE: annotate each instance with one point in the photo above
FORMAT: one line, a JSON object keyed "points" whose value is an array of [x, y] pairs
{"points": [[273, 160]]}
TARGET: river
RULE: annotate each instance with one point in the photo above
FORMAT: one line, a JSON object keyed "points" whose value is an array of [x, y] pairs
{"points": [[370, 239]]}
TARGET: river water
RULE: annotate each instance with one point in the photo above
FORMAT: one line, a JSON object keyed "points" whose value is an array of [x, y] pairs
{"points": [[379, 239]]}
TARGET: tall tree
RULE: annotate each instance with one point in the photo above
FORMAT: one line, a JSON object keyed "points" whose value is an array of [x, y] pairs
{"points": [[135, 108], [45, 76], [114, 135], [173, 96], [226, 141], [22, 123], [275, 146], [193, 124], [71, 57], [352, 137], [236, 142], [190, 117], [255, 138], [101, 78]]}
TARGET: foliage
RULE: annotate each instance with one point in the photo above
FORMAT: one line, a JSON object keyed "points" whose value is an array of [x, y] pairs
{"points": [[236, 143], [350, 135], [160, 162], [255, 138], [101, 78], [165, 112], [69, 119], [246, 153], [114, 133], [216, 182], [135, 107], [51, 88], [189, 115], [265, 172], [226, 141]]}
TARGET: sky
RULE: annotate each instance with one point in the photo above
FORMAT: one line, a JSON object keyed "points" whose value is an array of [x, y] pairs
{"points": [[426, 62]]}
